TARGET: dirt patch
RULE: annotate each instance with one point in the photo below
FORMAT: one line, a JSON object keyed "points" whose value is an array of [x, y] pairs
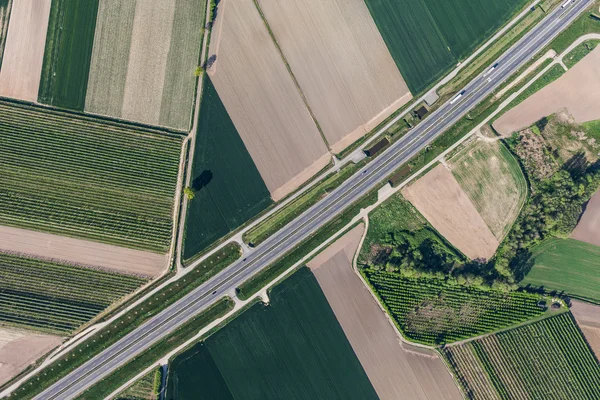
{"points": [[262, 99], [81, 252], [588, 228], [24, 51], [578, 90], [19, 348], [441, 200], [397, 370], [341, 62], [588, 318], [536, 154]]}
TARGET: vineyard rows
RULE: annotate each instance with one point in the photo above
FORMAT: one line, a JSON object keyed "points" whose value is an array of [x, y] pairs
{"points": [[87, 177], [54, 297], [432, 311], [548, 359]]}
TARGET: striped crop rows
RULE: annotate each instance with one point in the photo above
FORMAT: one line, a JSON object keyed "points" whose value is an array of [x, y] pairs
{"points": [[54, 297], [432, 311], [548, 359], [87, 177]]}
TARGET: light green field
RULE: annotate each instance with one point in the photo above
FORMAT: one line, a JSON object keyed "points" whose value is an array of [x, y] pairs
{"points": [[569, 265], [494, 182]]}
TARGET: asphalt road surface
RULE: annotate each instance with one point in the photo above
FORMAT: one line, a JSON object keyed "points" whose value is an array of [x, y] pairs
{"points": [[331, 206]]}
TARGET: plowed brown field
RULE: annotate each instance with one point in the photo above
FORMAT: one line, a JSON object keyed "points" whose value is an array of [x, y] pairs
{"points": [[588, 228], [588, 318]]}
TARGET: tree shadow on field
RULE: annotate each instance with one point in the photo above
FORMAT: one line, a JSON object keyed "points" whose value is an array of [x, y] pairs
{"points": [[577, 165], [202, 180], [521, 264]]}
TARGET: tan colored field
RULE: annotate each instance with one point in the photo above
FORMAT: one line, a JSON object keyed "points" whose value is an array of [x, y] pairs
{"points": [[341, 63], [439, 197], [81, 252], [578, 90], [143, 61], [588, 228], [24, 49], [19, 348], [493, 180], [262, 99], [396, 370], [588, 318]]}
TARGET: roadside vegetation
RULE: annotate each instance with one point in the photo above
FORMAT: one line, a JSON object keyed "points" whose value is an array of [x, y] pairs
{"points": [[145, 388], [579, 52]]}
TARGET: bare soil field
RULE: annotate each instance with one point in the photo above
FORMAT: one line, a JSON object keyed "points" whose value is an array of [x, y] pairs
{"points": [[19, 348], [24, 50], [341, 63], [395, 369], [441, 200], [143, 61], [588, 228], [81, 252], [588, 318], [493, 180], [578, 90], [262, 100]]}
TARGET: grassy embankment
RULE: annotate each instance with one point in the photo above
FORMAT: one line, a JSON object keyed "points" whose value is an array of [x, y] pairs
{"points": [[579, 52]]}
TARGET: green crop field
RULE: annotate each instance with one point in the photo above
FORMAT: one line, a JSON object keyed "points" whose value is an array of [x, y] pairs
{"points": [[5, 8], [431, 311], [427, 37], [87, 177], [548, 359], [55, 297], [228, 188], [294, 348], [68, 53], [566, 264]]}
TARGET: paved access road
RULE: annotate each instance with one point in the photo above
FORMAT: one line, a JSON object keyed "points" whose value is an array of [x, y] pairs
{"points": [[321, 213]]}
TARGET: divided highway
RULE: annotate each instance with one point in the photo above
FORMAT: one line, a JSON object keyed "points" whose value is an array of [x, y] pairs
{"points": [[320, 214]]}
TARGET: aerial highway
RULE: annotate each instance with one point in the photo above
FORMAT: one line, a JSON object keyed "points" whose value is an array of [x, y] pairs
{"points": [[365, 180]]}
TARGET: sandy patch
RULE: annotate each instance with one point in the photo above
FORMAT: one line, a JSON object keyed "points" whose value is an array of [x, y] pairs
{"points": [[588, 228], [81, 252], [262, 99], [588, 318], [24, 51], [341, 63], [396, 370], [441, 200], [578, 90], [19, 348]]}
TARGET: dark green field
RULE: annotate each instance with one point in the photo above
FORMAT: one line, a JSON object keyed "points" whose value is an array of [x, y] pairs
{"points": [[228, 188], [294, 348], [68, 53], [427, 37], [566, 264]]}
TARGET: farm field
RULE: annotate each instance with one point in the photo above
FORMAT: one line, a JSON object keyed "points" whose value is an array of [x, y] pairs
{"points": [[56, 298], [427, 37], [23, 51], [294, 348], [143, 61], [566, 265], [228, 188], [492, 178], [5, 7], [588, 227], [431, 311], [548, 359], [442, 201], [263, 100], [577, 91], [588, 318], [19, 348], [120, 179], [67, 55], [396, 370], [348, 96]]}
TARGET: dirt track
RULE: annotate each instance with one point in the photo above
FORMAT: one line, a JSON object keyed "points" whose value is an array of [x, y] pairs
{"points": [[24, 50], [578, 90], [441, 200], [588, 228], [81, 252], [262, 99], [588, 317], [396, 370], [19, 348]]}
